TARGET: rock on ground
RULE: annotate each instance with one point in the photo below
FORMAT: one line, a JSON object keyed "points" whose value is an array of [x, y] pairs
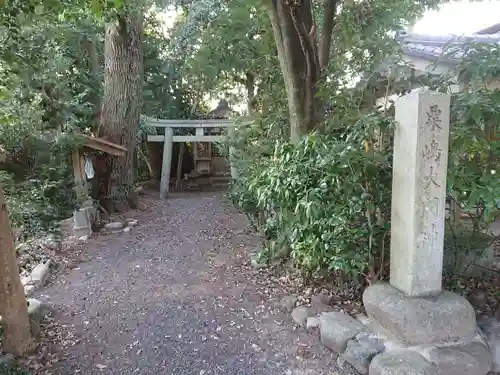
{"points": [[337, 328], [491, 330], [406, 362], [361, 350], [178, 296], [114, 225], [313, 322], [471, 358], [39, 274], [36, 311], [288, 303], [300, 315]]}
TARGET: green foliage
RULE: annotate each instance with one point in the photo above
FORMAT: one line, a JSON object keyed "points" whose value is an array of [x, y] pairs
{"points": [[45, 88], [237, 42], [474, 162], [466, 251], [324, 199], [50, 86]]}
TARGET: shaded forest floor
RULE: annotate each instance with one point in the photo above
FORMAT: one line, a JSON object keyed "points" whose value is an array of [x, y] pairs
{"points": [[175, 295]]}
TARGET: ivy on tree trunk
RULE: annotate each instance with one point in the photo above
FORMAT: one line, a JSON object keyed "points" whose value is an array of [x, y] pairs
{"points": [[122, 103], [89, 48]]}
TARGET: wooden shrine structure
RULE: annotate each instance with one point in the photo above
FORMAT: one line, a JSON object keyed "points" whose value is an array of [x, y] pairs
{"points": [[90, 144]]}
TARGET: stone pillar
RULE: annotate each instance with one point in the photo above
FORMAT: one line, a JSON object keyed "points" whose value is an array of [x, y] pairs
{"points": [[234, 171], [413, 308], [167, 162], [419, 191]]}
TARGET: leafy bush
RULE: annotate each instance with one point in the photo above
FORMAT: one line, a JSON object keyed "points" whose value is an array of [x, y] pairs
{"points": [[37, 201], [467, 252], [324, 200]]}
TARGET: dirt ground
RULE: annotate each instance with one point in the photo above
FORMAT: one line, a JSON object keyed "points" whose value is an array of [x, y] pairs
{"points": [[176, 296]]}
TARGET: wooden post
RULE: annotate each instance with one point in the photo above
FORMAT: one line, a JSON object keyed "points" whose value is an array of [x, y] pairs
{"points": [[167, 162], [79, 176], [14, 310]]}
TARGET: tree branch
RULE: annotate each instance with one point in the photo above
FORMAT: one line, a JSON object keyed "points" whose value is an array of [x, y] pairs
{"points": [[325, 42]]}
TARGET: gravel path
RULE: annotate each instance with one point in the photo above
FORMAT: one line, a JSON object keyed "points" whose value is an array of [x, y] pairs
{"points": [[176, 296]]}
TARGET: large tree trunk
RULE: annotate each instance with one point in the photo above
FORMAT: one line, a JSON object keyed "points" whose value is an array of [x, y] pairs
{"points": [[122, 103], [90, 49], [13, 306], [300, 61]]}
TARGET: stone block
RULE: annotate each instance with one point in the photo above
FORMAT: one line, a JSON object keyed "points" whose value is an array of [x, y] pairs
{"points": [[473, 358], [81, 223], [132, 222], [401, 363], [391, 344], [36, 311], [29, 290], [345, 367], [40, 273], [336, 329], [371, 339], [313, 322], [422, 320], [359, 353], [117, 225], [300, 314], [491, 329]]}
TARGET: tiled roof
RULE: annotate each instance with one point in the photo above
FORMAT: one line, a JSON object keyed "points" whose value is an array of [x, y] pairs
{"points": [[431, 47]]}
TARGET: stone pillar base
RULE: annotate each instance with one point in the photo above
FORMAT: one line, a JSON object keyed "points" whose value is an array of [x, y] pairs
{"points": [[431, 335], [415, 320]]}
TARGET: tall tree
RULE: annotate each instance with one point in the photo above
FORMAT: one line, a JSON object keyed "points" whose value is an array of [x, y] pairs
{"points": [[305, 61], [236, 50], [14, 310], [122, 102]]}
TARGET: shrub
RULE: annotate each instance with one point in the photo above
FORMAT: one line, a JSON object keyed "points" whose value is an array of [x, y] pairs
{"points": [[324, 200]]}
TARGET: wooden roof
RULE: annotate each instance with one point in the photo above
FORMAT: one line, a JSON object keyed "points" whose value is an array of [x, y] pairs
{"points": [[101, 144]]}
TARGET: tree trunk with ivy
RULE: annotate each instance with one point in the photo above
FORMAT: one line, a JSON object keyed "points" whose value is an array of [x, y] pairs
{"points": [[302, 59], [89, 48], [13, 308], [122, 103]]}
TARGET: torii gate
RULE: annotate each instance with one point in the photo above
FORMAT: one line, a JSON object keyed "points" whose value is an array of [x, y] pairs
{"points": [[169, 138]]}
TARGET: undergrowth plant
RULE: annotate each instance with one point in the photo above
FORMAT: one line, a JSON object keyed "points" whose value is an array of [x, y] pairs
{"points": [[324, 201]]}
